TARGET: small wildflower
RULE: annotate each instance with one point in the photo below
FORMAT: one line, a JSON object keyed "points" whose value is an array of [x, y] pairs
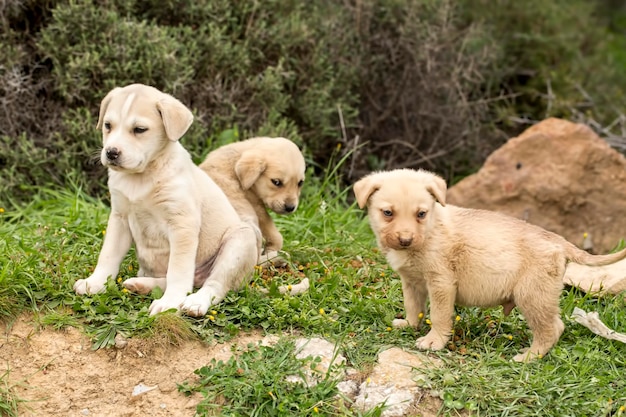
{"points": [[382, 274], [457, 318], [104, 232], [368, 380], [428, 321], [388, 329], [1, 210], [258, 267], [316, 410], [119, 280], [125, 290], [510, 337], [130, 268], [289, 287], [271, 394], [339, 146], [213, 313], [300, 267], [622, 408], [322, 312], [585, 235], [211, 317], [420, 315]]}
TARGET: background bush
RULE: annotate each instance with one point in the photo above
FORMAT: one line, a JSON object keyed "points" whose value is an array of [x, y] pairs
{"points": [[396, 83]]}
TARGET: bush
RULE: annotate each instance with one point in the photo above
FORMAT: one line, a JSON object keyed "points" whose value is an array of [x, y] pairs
{"points": [[391, 83]]}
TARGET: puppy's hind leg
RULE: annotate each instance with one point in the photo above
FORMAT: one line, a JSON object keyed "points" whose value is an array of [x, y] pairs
{"points": [[233, 264], [144, 285], [540, 307]]}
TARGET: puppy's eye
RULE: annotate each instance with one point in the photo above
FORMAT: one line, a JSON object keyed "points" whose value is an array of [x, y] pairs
{"points": [[421, 214], [300, 183], [107, 126], [277, 182], [139, 130], [387, 213]]}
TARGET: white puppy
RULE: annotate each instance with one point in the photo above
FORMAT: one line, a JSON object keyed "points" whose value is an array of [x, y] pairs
{"points": [[185, 231], [469, 257]]}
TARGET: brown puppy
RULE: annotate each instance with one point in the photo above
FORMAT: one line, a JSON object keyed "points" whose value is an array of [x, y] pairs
{"points": [[184, 230], [256, 174], [469, 257]]}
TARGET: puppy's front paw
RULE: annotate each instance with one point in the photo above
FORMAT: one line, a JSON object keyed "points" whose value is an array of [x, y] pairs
{"points": [[272, 258], [432, 341], [196, 305], [165, 303], [89, 286]]}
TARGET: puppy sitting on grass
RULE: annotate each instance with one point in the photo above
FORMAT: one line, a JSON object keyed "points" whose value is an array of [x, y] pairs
{"points": [[257, 174], [469, 257], [185, 231]]}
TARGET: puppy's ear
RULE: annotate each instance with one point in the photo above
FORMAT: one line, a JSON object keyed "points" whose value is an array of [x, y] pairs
{"points": [[248, 169], [438, 189], [105, 104], [176, 117], [364, 188]]}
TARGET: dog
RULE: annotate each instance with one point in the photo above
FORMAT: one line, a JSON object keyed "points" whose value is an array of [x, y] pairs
{"points": [[259, 174], [469, 257], [185, 231]]}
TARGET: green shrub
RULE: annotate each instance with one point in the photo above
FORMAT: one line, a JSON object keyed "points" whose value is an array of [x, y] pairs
{"points": [[390, 83]]}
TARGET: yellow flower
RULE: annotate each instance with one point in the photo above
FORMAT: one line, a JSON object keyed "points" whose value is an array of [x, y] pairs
{"points": [[420, 315], [622, 408], [271, 394], [130, 268], [339, 146], [458, 318], [1, 210], [428, 321], [125, 290], [211, 318], [509, 337], [289, 287], [104, 232], [388, 329], [316, 410], [585, 235], [382, 274], [213, 312], [322, 312], [119, 279], [368, 380]]}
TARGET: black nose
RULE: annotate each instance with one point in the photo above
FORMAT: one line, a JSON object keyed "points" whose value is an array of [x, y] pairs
{"points": [[405, 241], [112, 154], [289, 208]]}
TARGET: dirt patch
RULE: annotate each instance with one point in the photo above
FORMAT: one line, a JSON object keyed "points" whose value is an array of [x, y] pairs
{"points": [[58, 374]]}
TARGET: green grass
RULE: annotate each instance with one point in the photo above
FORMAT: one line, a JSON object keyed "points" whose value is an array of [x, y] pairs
{"points": [[354, 296]]}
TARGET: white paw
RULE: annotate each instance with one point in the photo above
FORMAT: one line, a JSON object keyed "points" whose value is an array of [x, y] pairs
{"points": [[399, 323], [196, 305], [165, 303], [89, 286], [432, 341], [143, 285]]}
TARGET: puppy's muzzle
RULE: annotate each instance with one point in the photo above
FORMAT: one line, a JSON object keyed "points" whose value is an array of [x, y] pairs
{"points": [[289, 208], [405, 241], [112, 154]]}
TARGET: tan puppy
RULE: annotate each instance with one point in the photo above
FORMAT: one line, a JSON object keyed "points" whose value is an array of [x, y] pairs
{"points": [[469, 257], [256, 174], [184, 229]]}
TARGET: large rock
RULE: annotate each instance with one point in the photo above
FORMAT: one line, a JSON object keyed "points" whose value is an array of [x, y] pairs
{"points": [[558, 175]]}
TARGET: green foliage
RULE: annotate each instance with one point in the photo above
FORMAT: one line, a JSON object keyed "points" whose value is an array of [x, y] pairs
{"points": [[255, 383], [435, 84]]}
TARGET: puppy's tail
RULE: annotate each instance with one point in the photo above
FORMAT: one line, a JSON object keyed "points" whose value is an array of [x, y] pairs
{"points": [[581, 257]]}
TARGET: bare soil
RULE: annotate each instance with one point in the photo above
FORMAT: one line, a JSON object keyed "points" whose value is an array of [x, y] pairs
{"points": [[58, 374]]}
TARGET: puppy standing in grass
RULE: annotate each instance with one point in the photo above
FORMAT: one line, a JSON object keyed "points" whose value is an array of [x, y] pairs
{"points": [[469, 257], [257, 174], [185, 231]]}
